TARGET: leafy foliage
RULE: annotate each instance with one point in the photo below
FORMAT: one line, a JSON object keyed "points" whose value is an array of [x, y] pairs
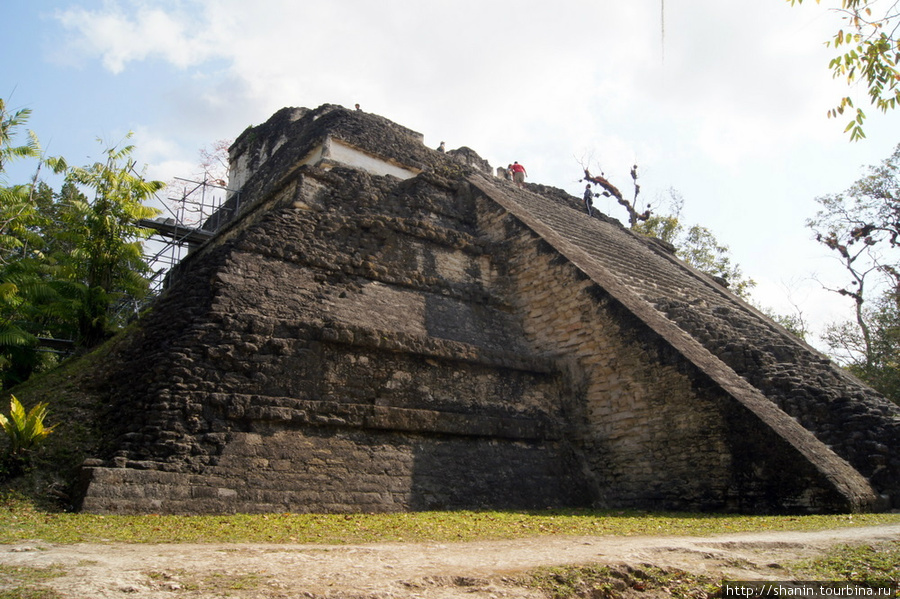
{"points": [[23, 290], [24, 430], [696, 245], [9, 123], [861, 226], [106, 242], [869, 52], [71, 267], [874, 357], [794, 323]]}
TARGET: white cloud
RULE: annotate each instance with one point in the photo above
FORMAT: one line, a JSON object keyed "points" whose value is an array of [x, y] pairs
{"points": [[728, 106], [120, 38]]}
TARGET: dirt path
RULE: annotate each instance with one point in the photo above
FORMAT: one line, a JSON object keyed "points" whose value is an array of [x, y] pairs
{"points": [[479, 570]]}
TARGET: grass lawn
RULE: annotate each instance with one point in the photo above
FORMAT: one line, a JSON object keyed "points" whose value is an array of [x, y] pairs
{"points": [[22, 520]]}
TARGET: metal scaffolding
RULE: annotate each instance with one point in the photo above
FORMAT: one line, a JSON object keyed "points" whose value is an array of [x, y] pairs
{"points": [[192, 218]]}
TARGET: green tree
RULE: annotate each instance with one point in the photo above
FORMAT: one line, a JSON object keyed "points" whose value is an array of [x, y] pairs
{"points": [[106, 242], [861, 226], [25, 292], [15, 207], [868, 50], [696, 245], [68, 264], [793, 323], [875, 357], [10, 122]]}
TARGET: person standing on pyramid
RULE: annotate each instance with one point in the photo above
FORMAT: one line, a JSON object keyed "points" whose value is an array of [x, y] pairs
{"points": [[519, 174], [589, 199]]}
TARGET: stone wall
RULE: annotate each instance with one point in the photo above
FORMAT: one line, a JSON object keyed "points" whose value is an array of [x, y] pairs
{"points": [[341, 356], [340, 470]]}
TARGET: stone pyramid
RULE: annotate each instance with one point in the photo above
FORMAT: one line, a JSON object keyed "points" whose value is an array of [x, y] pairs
{"points": [[378, 326]]}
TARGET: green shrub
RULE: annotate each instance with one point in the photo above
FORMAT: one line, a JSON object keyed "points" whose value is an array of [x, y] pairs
{"points": [[24, 431]]}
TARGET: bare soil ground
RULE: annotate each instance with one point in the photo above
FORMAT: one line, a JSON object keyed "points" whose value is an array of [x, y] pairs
{"points": [[477, 570]]}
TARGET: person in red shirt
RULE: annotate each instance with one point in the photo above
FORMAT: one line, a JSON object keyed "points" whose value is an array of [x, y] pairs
{"points": [[519, 174]]}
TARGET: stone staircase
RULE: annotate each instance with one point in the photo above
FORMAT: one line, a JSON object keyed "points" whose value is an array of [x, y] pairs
{"points": [[857, 423]]}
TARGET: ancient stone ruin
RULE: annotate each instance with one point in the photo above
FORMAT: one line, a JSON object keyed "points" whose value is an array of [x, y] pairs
{"points": [[382, 327]]}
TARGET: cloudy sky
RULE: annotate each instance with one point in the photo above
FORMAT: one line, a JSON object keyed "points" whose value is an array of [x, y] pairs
{"points": [[724, 101]]}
